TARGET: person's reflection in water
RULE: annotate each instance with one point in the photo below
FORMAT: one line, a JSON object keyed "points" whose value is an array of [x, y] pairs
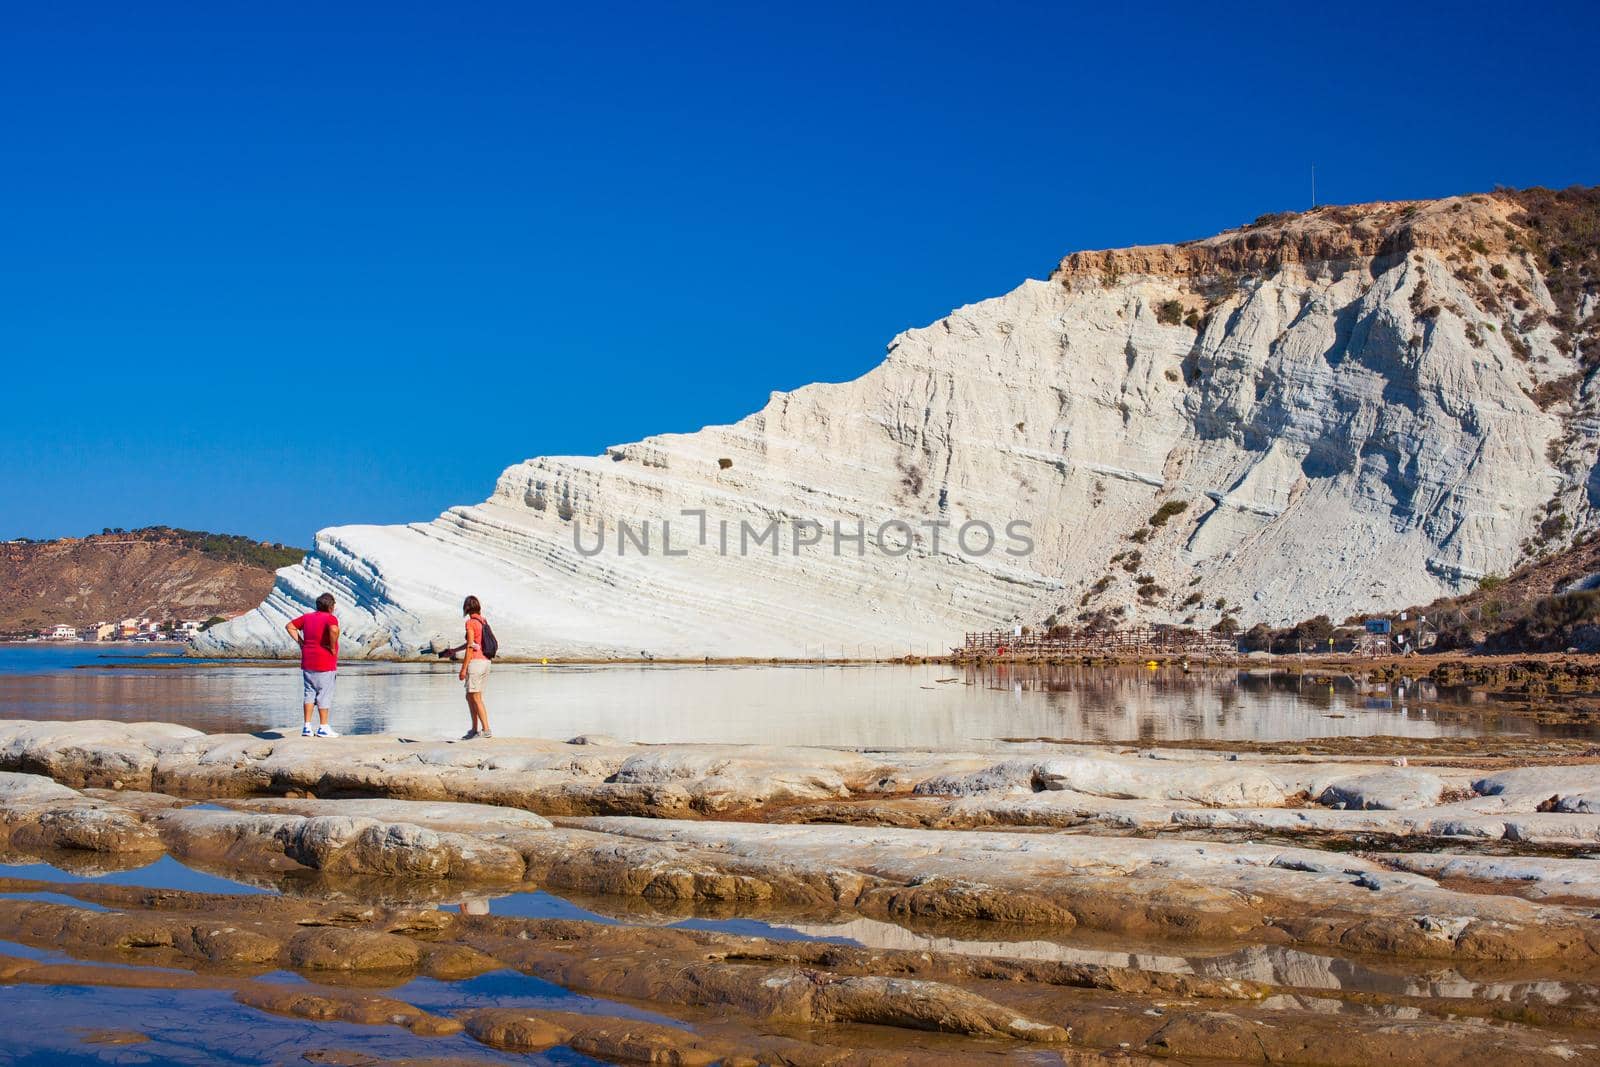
{"points": [[475, 907]]}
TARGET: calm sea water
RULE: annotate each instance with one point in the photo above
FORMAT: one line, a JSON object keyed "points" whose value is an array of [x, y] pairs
{"points": [[857, 706]]}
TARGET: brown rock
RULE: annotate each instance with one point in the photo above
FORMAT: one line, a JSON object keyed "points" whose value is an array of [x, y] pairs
{"points": [[335, 949], [623, 1040], [345, 1007], [114, 1037]]}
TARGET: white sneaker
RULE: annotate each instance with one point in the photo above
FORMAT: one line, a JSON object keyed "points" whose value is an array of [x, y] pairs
{"points": [[305, 731], [326, 731]]}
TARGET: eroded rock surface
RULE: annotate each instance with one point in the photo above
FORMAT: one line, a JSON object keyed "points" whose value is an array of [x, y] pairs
{"points": [[996, 898], [717, 997], [1386, 790]]}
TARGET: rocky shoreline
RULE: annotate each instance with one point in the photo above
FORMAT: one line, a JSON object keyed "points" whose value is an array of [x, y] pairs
{"points": [[1065, 897]]}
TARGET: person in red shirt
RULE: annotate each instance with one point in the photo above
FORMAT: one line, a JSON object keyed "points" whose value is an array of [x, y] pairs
{"points": [[317, 634], [474, 668]]}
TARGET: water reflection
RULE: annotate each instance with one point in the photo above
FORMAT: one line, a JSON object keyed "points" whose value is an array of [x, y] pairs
{"points": [[163, 872], [1267, 964], [854, 705], [1283, 967], [53, 1025]]}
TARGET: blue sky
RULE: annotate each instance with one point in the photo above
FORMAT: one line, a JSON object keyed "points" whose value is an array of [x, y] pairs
{"points": [[268, 269]]}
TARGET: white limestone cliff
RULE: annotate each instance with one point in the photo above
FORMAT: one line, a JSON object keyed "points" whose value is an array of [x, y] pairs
{"points": [[1367, 407]]}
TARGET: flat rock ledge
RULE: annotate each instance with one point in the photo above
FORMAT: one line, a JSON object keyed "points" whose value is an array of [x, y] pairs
{"points": [[1191, 905], [723, 998], [1062, 786], [748, 826]]}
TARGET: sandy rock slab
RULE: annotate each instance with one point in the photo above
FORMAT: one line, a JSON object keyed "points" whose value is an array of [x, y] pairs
{"points": [[1462, 824], [1124, 885], [1386, 790], [1317, 955], [194, 933], [682, 781], [1535, 877], [578, 777], [338, 844], [409, 821], [717, 997], [1142, 887], [37, 813]]}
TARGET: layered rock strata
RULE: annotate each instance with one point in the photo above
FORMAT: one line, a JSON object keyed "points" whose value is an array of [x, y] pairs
{"points": [[1332, 412], [653, 821]]}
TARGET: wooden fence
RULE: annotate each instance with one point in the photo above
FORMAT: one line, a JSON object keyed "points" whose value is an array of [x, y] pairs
{"points": [[1138, 641]]}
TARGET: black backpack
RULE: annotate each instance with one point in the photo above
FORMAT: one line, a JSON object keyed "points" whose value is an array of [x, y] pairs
{"points": [[488, 645]]}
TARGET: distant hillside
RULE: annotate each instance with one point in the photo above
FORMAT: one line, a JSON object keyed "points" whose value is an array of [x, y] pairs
{"points": [[156, 571]]}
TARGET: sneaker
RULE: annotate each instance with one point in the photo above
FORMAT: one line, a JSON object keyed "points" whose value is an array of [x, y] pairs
{"points": [[469, 735], [305, 731], [326, 731], [485, 733]]}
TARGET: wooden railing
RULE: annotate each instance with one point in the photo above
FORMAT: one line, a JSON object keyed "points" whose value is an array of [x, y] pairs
{"points": [[1136, 641]]}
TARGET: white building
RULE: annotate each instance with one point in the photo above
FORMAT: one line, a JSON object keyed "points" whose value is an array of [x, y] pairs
{"points": [[62, 631]]}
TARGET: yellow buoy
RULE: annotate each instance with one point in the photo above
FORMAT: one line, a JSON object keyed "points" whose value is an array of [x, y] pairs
{"points": [[1152, 664]]}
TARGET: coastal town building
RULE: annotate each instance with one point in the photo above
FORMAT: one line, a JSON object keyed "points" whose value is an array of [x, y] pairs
{"points": [[143, 628]]}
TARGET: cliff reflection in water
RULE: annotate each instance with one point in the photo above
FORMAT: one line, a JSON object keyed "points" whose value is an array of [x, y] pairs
{"points": [[857, 705]]}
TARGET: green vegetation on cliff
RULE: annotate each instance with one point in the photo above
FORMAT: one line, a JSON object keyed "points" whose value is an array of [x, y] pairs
{"points": [[229, 548]]}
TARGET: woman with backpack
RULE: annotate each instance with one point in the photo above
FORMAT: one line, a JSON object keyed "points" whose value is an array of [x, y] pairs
{"points": [[478, 649]]}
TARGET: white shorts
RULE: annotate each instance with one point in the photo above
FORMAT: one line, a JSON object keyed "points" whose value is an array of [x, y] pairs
{"points": [[477, 674], [318, 687]]}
